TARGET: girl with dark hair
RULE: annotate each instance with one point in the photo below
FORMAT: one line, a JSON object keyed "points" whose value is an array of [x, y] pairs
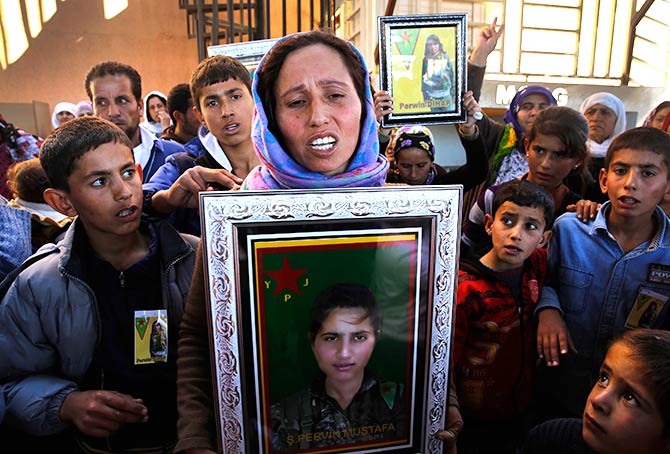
{"points": [[555, 146], [345, 323], [437, 76], [657, 115]]}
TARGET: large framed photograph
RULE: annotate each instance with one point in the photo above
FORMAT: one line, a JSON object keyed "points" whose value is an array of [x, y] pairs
{"points": [[331, 317], [423, 67]]}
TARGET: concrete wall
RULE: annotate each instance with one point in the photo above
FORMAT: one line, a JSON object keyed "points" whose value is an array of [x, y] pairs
{"points": [[149, 35]]}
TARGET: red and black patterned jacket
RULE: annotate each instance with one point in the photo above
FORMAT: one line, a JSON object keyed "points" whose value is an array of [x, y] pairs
{"points": [[494, 347]]}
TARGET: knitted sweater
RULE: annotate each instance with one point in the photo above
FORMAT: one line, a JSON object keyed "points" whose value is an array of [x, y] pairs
{"points": [[15, 245]]}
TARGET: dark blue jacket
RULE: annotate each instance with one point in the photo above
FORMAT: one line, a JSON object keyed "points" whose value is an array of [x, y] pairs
{"points": [[186, 220], [160, 151]]}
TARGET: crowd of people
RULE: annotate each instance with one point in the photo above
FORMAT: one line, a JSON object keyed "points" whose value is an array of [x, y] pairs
{"points": [[561, 313]]}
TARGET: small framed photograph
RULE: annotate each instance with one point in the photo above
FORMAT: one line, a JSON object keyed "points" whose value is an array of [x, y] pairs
{"points": [[331, 317], [249, 53], [423, 67]]}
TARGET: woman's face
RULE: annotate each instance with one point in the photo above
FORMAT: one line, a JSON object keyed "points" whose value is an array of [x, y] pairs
{"points": [[601, 120], [659, 118], [318, 110], [344, 344], [155, 105], [64, 117], [85, 113], [434, 47], [413, 165], [531, 106], [621, 413]]}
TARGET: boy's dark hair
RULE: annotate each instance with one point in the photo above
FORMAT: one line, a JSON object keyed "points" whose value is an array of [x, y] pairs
{"points": [[65, 145], [178, 99], [651, 349], [644, 138], [343, 295], [267, 75], [567, 125], [525, 194], [112, 68], [27, 180], [213, 70]]}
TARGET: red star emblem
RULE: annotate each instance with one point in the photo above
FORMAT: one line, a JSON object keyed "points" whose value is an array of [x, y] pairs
{"points": [[286, 278], [405, 37]]}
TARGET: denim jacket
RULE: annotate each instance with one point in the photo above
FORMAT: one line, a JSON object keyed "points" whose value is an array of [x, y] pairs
{"points": [[595, 285]]}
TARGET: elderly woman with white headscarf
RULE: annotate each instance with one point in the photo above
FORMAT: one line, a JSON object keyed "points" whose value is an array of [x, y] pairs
{"points": [[607, 119]]}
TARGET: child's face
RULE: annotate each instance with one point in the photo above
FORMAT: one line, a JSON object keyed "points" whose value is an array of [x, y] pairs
{"points": [[226, 109], [635, 182], [548, 161], [621, 414], [344, 344], [413, 165], [516, 231], [106, 192]]}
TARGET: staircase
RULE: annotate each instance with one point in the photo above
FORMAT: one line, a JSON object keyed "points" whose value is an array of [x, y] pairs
{"points": [[213, 22]]}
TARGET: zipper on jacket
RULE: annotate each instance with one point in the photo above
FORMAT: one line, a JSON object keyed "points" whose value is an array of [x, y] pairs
{"points": [[122, 279]]}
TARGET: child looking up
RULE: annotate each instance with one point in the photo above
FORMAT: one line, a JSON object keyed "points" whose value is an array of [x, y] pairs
{"points": [[555, 146], [604, 275], [494, 346], [628, 409]]}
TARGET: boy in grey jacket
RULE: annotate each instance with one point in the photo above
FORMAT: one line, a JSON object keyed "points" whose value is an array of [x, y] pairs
{"points": [[76, 327]]}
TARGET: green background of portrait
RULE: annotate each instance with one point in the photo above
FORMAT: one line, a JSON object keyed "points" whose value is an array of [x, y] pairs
{"points": [[386, 271], [409, 91]]}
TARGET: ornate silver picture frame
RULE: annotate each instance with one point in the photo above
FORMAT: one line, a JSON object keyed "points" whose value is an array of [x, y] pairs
{"points": [[270, 254]]}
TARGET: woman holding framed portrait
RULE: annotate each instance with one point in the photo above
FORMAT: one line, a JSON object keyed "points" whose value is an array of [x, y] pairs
{"points": [[315, 127]]}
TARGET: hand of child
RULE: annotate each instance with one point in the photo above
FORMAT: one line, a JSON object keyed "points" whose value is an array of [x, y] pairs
{"points": [[450, 434], [586, 210], [100, 413], [184, 192], [552, 334]]}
